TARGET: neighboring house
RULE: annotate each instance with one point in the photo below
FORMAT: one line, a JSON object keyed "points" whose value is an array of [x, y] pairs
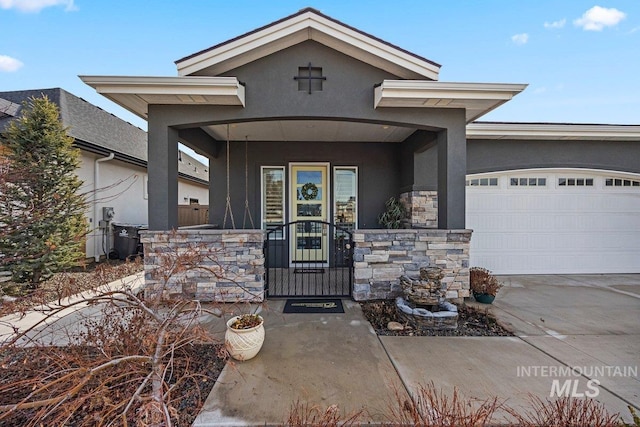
{"points": [[309, 119], [119, 182]]}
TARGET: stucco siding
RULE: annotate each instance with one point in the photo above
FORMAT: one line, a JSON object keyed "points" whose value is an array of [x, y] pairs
{"points": [[378, 173], [501, 155]]}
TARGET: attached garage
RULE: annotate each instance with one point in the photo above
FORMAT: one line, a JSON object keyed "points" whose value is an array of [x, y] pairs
{"points": [[554, 221]]}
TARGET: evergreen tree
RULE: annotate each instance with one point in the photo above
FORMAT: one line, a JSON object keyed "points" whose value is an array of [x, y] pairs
{"points": [[42, 224]]}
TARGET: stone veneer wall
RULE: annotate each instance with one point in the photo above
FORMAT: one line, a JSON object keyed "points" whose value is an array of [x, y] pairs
{"points": [[382, 256], [236, 256], [422, 207]]}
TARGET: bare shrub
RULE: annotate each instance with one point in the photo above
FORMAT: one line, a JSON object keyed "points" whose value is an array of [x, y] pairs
{"points": [[482, 281], [124, 365], [430, 407], [564, 412]]}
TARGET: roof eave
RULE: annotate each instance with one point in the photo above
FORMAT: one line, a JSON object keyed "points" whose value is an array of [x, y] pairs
{"points": [[136, 93], [477, 99], [553, 131]]}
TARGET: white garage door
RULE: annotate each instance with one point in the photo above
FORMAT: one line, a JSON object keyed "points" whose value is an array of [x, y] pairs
{"points": [[554, 221]]}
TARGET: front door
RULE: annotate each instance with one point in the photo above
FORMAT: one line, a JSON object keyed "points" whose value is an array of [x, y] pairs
{"points": [[309, 196]]}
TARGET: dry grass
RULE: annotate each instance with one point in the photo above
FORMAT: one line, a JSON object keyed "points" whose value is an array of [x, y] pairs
{"points": [[565, 412], [307, 415], [432, 407]]}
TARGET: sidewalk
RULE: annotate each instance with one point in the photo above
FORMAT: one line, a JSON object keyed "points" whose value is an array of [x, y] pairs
{"points": [[55, 329]]}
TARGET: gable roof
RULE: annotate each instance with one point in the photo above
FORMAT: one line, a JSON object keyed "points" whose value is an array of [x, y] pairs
{"points": [[89, 125], [307, 24], [94, 129]]}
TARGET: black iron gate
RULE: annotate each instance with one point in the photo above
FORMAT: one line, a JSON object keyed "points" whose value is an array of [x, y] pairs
{"points": [[308, 259]]}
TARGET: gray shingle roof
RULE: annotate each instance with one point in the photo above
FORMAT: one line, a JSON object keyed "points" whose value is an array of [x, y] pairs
{"points": [[96, 130]]}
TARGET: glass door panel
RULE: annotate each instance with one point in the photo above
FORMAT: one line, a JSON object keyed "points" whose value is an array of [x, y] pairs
{"points": [[309, 242]]}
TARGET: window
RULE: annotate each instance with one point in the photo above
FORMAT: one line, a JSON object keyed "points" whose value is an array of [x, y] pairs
{"points": [[527, 182], [575, 182], [482, 182], [193, 201], [273, 198], [345, 210], [619, 182]]}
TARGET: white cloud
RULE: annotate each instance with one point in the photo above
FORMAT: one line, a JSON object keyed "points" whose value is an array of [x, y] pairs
{"points": [[539, 90], [9, 64], [555, 24], [596, 18], [36, 5], [520, 39]]}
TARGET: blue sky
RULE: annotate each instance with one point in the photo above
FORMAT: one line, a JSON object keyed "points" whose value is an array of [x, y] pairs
{"points": [[581, 59]]}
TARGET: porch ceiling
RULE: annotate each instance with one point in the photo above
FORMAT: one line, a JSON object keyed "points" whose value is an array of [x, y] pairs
{"points": [[310, 130]]}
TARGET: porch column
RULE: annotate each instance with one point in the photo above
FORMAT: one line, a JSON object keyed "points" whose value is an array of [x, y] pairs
{"points": [[452, 169], [162, 170]]}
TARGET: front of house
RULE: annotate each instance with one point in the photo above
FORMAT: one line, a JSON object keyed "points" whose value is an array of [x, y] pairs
{"points": [[310, 127]]}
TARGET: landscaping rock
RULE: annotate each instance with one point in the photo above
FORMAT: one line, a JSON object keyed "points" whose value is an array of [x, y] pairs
{"points": [[395, 326]]}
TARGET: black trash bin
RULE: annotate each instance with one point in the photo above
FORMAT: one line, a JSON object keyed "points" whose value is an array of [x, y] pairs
{"points": [[126, 240]]}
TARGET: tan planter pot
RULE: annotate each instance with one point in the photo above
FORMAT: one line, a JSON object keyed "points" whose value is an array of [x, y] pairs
{"points": [[244, 344]]}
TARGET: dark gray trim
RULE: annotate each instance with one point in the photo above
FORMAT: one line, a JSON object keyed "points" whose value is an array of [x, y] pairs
{"points": [[163, 176], [452, 167]]}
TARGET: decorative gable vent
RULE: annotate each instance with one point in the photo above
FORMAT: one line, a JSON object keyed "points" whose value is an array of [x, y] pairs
{"points": [[310, 79]]}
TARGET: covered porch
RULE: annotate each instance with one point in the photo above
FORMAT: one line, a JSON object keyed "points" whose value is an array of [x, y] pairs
{"points": [[308, 119]]}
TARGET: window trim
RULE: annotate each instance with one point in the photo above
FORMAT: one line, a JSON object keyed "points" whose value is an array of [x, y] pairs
{"points": [[528, 180], [469, 182], [263, 227], [634, 184], [574, 181], [333, 207]]}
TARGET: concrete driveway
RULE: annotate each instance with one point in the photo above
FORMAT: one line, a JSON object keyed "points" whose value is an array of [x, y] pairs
{"points": [[590, 322], [587, 323]]}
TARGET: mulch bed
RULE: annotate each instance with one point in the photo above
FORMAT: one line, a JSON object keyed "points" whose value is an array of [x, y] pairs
{"points": [[471, 322], [199, 365]]}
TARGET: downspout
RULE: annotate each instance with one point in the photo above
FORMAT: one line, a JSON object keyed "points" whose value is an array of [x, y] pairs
{"points": [[96, 185]]}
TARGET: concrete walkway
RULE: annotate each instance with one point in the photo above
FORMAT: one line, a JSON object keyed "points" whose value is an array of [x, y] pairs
{"points": [[589, 323], [46, 328], [321, 359]]}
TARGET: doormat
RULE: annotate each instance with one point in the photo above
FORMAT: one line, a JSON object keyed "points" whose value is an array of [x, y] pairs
{"points": [[308, 270], [327, 305]]}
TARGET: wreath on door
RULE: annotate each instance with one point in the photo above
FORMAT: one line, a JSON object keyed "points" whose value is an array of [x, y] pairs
{"points": [[309, 191]]}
